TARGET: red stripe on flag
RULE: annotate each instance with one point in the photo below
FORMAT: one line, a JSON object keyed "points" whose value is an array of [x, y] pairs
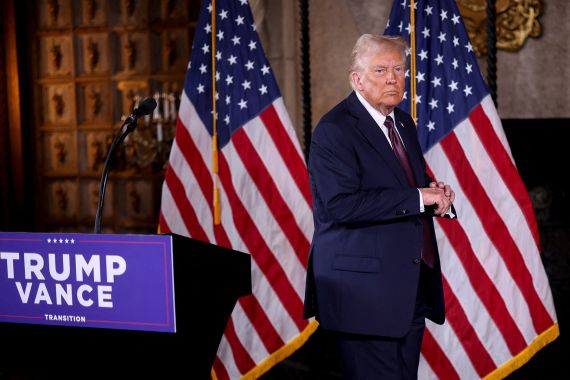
{"points": [[259, 250], [283, 143], [466, 334], [184, 207], [495, 229], [253, 310], [190, 151], [164, 227], [504, 165], [267, 333], [483, 285], [437, 358], [220, 369], [243, 360], [250, 305], [268, 190]]}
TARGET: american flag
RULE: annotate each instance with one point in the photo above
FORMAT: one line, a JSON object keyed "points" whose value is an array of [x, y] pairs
{"points": [[499, 306], [265, 198]]}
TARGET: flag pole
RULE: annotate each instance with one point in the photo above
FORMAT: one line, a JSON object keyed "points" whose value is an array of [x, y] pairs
{"points": [[413, 62], [215, 167]]}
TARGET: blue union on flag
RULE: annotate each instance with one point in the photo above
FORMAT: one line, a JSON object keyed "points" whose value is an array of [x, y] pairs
{"points": [[499, 308], [265, 200]]}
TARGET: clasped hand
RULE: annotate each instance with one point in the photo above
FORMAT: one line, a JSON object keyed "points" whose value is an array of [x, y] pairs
{"points": [[439, 195]]}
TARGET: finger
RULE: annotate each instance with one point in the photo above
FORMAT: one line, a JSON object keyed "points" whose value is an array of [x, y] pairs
{"points": [[432, 184]]}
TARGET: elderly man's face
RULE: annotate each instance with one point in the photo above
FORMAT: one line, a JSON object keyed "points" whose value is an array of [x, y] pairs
{"points": [[382, 81]]}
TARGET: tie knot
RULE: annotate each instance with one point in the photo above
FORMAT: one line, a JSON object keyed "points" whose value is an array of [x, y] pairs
{"points": [[389, 123]]}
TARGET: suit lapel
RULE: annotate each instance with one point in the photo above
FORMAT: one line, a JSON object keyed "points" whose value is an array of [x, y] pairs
{"points": [[375, 137]]}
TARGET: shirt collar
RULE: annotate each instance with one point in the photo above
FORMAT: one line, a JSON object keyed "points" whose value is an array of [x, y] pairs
{"points": [[376, 115]]}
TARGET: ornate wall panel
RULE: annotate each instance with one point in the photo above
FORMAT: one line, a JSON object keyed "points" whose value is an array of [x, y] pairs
{"points": [[97, 59]]}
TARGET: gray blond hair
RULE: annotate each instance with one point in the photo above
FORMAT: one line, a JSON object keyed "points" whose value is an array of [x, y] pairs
{"points": [[372, 43]]}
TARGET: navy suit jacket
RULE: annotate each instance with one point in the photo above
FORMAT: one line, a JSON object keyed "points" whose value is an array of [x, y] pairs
{"points": [[364, 265]]}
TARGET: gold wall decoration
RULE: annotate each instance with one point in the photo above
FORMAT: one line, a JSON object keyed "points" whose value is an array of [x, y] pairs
{"points": [[55, 54], [92, 54], [516, 21], [130, 53], [58, 104], [53, 10], [91, 9]]}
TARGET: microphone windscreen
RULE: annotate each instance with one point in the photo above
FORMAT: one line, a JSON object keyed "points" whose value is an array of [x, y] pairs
{"points": [[145, 108]]}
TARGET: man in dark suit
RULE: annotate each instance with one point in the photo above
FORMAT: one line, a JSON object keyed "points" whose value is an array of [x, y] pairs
{"points": [[374, 272]]}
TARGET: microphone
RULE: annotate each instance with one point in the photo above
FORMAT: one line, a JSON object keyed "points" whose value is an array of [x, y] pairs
{"points": [[144, 108]]}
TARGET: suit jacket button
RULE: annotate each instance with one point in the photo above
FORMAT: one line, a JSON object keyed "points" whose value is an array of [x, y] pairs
{"points": [[416, 261], [403, 211]]}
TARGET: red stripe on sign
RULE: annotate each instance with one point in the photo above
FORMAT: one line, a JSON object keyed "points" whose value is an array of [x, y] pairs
{"points": [[495, 229], [505, 166], [290, 155]]}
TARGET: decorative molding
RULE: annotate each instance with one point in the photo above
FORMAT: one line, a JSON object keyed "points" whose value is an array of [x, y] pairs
{"points": [[517, 20]]}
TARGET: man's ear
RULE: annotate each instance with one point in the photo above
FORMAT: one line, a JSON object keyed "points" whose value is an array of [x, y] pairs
{"points": [[355, 77]]}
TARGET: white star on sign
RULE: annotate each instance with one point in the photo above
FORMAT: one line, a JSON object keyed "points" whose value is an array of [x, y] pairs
{"points": [[246, 85], [224, 14], [205, 48], [469, 69], [450, 108], [235, 40], [200, 88], [242, 104], [467, 90], [263, 89], [229, 80], [249, 65], [203, 69], [265, 69], [232, 59], [252, 45], [239, 20], [431, 126], [441, 37], [425, 32]]}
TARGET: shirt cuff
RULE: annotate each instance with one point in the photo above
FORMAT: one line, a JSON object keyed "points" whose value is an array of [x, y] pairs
{"points": [[422, 208]]}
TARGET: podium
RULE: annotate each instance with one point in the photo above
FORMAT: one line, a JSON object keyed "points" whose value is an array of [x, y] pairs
{"points": [[208, 280]]}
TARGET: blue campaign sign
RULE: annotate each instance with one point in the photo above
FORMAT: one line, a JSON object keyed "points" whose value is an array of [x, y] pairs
{"points": [[88, 280]]}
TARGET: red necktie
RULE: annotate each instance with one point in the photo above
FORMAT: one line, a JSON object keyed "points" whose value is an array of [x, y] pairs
{"points": [[428, 252]]}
